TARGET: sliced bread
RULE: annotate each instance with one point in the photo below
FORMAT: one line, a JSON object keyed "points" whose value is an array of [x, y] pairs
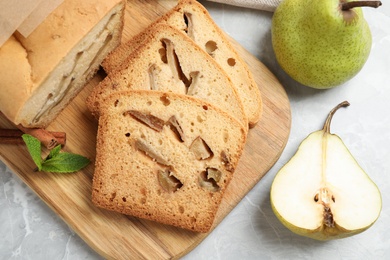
{"points": [[167, 60], [165, 157], [191, 18]]}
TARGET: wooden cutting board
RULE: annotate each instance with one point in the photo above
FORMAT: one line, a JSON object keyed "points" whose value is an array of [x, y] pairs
{"points": [[116, 236]]}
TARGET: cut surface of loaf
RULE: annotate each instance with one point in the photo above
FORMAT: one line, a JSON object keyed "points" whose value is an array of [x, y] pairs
{"points": [[165, 157], [167, 60], [57, 59], [191, 18]]}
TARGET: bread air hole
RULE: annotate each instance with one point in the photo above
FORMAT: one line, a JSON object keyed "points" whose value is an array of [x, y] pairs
{"points": [[231, 62], [113, 195], [165, 100], [187, 17], [193, 220], [211, 46]]}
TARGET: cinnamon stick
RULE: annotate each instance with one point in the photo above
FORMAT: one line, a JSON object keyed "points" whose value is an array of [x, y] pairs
{"points": [[47, 138]]}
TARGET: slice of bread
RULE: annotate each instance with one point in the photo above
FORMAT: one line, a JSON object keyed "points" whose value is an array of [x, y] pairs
{"points": [[42, 73], [165, 157], [167, 60], [191, 18]]}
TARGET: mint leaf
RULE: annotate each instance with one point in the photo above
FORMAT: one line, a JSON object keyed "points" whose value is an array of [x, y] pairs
{"points": [[34, 148], [54, 152], [65, 163], [55, 161]]}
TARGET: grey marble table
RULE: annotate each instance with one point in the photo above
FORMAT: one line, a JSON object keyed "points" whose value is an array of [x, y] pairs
{"points": [[31, 230]]}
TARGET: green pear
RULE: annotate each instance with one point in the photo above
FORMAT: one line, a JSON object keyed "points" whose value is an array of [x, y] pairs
{"points": [[322, 192], [321, 43]]}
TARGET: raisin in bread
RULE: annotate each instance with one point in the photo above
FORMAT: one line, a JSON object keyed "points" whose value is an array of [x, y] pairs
{"points": [[165, 157], [191, 18], [42, 73], [167, 60]]}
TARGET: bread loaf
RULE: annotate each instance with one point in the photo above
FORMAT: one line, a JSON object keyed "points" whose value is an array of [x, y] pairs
{"points": [[45, 71], [191, 18], [167, 60], [165, 157]]}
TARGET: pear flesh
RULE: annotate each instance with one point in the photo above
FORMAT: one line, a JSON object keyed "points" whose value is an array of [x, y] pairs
{"points": [[322, 192]]}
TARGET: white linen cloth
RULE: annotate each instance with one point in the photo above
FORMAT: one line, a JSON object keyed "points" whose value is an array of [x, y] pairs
{"points": [[23, 16], [266, 5]]}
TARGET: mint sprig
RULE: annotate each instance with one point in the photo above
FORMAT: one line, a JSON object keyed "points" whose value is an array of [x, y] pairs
{"points": [[56, 161]]}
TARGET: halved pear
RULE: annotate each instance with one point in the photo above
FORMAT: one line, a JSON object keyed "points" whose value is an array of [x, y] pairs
{"points": [[322, 192]]}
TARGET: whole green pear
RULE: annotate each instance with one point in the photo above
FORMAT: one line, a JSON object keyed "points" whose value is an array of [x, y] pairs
{"points": [[318, 43]]}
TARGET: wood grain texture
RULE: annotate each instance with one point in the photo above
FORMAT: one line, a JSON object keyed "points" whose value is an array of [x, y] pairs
{"points": [[116, 236]]}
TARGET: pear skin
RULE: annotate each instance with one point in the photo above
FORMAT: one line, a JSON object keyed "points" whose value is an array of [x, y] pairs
{"points": [[319, 43]]}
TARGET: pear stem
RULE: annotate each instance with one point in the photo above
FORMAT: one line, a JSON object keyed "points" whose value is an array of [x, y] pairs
{"points": [[330, 116], [345, 6]]}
